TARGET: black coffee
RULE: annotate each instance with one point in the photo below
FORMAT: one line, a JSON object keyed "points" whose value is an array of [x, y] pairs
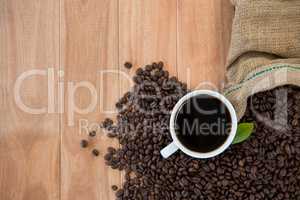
{"points": [[203, 123]]}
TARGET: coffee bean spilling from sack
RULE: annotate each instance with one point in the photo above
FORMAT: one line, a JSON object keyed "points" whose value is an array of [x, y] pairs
{"points": [[266, 166]]}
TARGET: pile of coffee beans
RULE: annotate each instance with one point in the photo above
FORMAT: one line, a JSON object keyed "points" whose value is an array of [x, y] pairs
{"points": [[266, 166]]}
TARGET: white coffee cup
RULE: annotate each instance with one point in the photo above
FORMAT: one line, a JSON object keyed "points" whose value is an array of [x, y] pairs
{"points": [[176, 144]]}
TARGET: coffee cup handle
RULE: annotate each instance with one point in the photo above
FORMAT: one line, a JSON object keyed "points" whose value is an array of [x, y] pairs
{"points": [[169, 150]]}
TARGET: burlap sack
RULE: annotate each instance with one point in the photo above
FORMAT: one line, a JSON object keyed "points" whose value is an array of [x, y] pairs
{"points": [[265, 48]]}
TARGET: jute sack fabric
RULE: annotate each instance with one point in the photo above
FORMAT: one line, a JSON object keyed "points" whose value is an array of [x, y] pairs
{"points": [[265, 48]]}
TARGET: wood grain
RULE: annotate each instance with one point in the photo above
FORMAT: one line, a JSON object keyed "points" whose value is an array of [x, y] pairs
{"points": [[29, 143], [148, 32], [89, 46], [204, 29]]}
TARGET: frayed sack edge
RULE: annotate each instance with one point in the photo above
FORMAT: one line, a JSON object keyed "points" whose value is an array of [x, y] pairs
{"points": [[264, 78]]}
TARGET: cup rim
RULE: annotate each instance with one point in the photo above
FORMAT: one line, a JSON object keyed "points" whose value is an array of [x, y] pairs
{"points": [[229, 139]]}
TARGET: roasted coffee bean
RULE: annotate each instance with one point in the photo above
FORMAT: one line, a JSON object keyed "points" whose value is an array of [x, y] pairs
{"points": [[160, 65], [108, 156], [84, 143], [107, 123], [264, 167], [111, 150], [120, 193], [128, 65], [112, 135], [114, 188], [92, 133], [95, 152], [149, 67]]}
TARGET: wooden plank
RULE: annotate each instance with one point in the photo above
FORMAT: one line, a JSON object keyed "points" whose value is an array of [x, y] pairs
{"points": [[148, 33], [204, 29], [29, 143], [89, 46]]}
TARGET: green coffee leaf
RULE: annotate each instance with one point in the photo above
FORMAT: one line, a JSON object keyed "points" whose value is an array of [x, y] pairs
{"points": [[244, 131]]}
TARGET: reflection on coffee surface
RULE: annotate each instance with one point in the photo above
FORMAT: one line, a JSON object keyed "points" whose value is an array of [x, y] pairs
{"points": [[203, 123]]}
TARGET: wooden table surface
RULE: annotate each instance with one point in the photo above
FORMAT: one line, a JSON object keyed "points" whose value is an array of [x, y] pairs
{"points": [[61, 68]]}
